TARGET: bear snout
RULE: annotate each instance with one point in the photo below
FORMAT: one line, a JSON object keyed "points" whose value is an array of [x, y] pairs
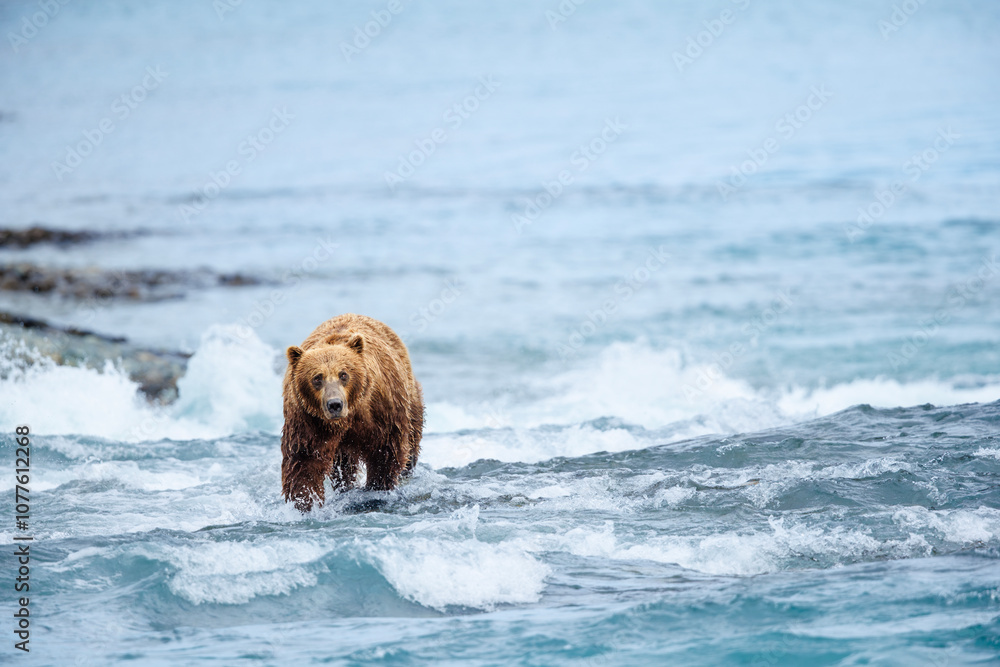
{"points": [[334, 402], [335, 406]]}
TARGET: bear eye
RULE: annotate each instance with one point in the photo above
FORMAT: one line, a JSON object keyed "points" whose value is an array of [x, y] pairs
{"points": [[317, 381], [343, 377]]}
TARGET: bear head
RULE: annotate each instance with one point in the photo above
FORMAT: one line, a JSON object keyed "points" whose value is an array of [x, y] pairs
{"points": [[328, 378]]}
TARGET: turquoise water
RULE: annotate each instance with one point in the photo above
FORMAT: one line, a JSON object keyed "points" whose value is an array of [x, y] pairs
{"points": [[709, 348], [869, 534]]}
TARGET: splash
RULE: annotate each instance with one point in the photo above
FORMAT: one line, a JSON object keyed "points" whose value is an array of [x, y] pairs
{"points": [[231, 386]]}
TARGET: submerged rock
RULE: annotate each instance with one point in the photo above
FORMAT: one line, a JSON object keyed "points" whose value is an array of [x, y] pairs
{"points": [[155, 371], [28, 341], [22, 238], [98, 283]]}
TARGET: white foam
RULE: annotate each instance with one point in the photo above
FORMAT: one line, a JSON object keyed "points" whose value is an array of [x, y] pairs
{"points": [[179, 476], [64, 400], [129, 474], [655, 389], [865, 469], [672, 496], [552, 491], [78, 559], [166, 493], [236, 572], [232, 385], [467, 573], [441, 563], [737, 553], [988, 452], [884, 393], [55, 399], [728, 553], [461, 522], [965, 527], [652, 388], [722, 554], [639, 385], [529, 446]]}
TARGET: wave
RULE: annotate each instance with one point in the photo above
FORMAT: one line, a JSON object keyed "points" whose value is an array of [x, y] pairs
{"points": [[447, 563], [233, 386], [437, 564], [784, 544]]}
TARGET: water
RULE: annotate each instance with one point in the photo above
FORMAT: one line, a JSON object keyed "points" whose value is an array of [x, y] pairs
{"points": [[667, 421]]}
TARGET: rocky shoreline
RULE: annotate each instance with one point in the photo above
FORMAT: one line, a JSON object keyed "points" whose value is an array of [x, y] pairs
{"points": [[155, 371], [25, 339]]}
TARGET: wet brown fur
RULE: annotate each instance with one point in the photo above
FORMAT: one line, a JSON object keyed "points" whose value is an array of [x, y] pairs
{"points": [[384, 410]]}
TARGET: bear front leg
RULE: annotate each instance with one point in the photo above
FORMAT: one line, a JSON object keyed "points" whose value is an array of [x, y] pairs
{"points": [[302, 478], [383, 472], [385, 463], [344, 471], [305, 459]]}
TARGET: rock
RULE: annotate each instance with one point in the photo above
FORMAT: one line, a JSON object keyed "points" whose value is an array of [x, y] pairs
{"points": [[22, 238], [155, 371], [90, 283]]}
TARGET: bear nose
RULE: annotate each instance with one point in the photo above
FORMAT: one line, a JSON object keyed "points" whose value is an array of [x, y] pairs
{"points": [[335, 405]]}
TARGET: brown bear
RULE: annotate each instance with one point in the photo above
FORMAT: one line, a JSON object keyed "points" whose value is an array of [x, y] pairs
{"points": [[349, 397]]}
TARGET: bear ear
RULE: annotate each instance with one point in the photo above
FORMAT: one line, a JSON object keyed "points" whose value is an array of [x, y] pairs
{"points": [[356, 343], [294, 353]]}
